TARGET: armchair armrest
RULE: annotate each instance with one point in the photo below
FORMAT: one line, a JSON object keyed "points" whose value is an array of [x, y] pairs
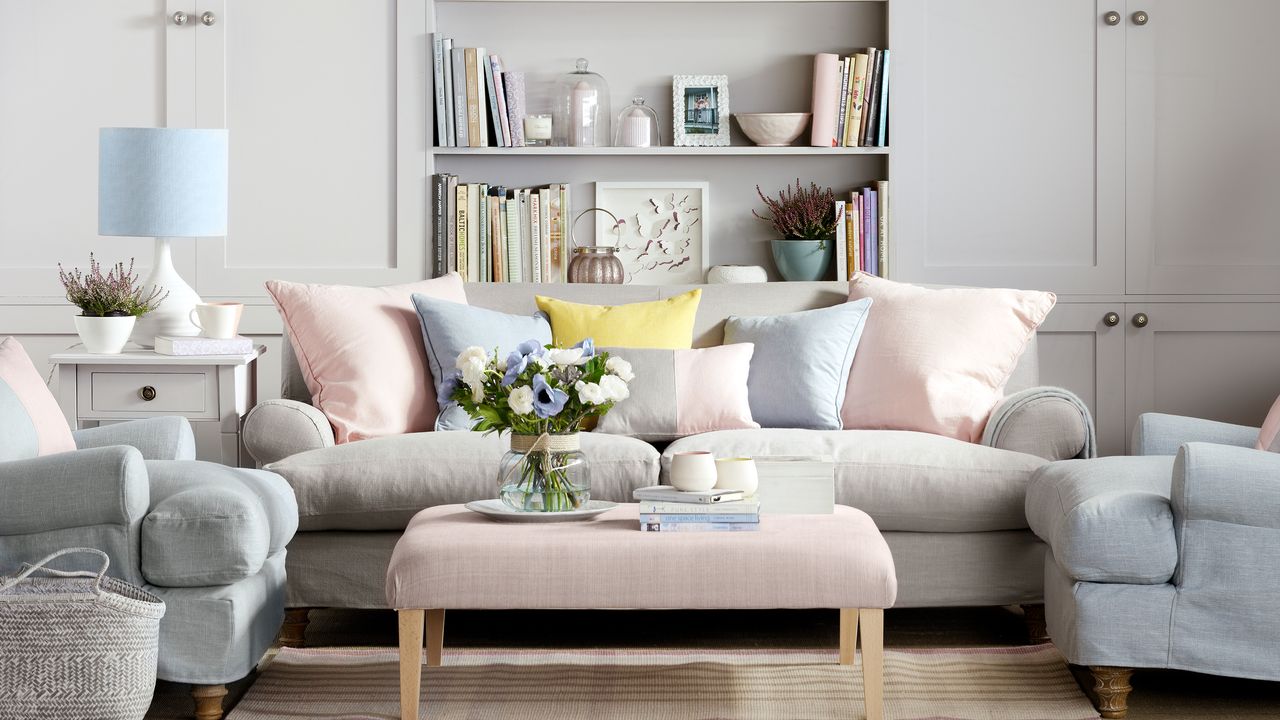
{"points": [[1161, 434], [158, 438], [276, 429], [1226, 512], [1047, 422]]}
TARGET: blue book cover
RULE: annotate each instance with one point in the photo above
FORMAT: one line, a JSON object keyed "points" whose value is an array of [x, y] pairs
{"points": [[495, 119], [883, 140], [867, 266], [873, 233]]}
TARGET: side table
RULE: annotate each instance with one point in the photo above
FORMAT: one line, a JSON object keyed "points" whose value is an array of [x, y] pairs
{"points": [[214, 392]]}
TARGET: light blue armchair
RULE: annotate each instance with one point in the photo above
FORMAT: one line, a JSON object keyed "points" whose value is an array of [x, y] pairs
{"points": [[1167, 559], [207, 539]]}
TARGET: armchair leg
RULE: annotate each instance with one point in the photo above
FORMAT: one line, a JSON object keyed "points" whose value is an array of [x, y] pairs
{"points": [[1111, 688], [1037, 630], [294, 629], [208, 701]]}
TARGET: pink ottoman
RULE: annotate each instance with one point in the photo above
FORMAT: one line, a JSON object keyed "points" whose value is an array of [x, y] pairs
{"points": [[450, 557]]}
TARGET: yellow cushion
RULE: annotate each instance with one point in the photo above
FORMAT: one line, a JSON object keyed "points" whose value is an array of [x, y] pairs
{"points": [[666, 324]]}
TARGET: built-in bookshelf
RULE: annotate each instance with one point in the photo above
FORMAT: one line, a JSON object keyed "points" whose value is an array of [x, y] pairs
{"points": [[765, 47]]}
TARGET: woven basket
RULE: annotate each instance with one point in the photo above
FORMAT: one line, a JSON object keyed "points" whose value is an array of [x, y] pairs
{"points": [[76, 644]]}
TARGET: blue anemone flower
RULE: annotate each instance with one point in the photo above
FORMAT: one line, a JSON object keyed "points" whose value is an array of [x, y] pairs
{"points": [[547, 401]]}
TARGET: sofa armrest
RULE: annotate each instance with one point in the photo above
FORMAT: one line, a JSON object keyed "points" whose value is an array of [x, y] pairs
{"points": [[157, 438], [1226, 512], [1046, 422], [276, 429], [1161, 434]]}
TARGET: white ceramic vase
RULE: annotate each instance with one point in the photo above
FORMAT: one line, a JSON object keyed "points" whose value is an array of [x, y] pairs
{"points": [[104, 335], [693, 471], [737, 474]]}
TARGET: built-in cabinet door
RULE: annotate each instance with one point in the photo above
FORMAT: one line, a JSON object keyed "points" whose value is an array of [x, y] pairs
{"points": [[1008, 143], [1219, 361], [1203, 149], [1082, 349], [326, 106]]}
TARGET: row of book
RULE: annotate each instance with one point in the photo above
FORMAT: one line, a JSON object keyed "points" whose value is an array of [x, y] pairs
{"points": [[665, 509], [490, 233], [851, 99], [862, 240], [478, 101]]}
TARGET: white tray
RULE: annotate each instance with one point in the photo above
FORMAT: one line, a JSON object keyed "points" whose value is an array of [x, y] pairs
{"points": [[496, 510]]}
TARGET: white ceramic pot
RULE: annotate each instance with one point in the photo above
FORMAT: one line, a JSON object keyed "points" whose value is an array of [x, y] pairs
{"points": [[693, 471], [733, 274], [772, 129], [104, 335], [737, 474]]}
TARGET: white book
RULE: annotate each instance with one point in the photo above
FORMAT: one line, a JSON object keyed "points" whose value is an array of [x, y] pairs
{"points": [[473, 232], [544, 243], [482, 100], [745, 506], [535, 241], [842, 238], [511, 243], [187, 346], [667, 493], [462, 137], [437, 77]]}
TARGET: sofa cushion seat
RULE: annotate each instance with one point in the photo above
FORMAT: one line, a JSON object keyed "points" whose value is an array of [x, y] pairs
{"points": [[907, 481], [1108, 520], [380, 484]]}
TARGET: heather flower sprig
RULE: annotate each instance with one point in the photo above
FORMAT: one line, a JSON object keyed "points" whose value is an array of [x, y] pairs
{"points": [[801, 213], [115, 294]]}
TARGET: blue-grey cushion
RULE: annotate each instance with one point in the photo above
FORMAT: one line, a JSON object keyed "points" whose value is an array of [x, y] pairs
{"points": [[800, 368], [19, 439], [448, 328]]}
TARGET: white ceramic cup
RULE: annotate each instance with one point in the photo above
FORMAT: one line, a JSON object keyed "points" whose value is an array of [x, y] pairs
{"points": [[693, 471], [737, 473], [218, 320]]}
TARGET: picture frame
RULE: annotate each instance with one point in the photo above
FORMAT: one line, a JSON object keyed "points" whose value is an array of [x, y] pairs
{"points": [[661, 229], [700, 110]]}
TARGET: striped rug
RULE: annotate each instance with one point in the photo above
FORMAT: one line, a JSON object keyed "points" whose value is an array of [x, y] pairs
{"points": [[1019, 683]]}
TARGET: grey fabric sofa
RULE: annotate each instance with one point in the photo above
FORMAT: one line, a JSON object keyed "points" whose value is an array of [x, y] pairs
{"points": [[1170, 559], [951, 510], [209, 540]]}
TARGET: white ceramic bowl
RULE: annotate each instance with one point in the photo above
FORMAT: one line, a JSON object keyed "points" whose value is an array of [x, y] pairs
{"points": [[693, 471], [773, 129]]}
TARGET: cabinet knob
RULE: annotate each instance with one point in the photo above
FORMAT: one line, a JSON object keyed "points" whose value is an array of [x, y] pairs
{"points": [[179, 18], [1140, 17], [1111, 319], [148, 393], [208, 18], [1140, 320], [1111, 18]]}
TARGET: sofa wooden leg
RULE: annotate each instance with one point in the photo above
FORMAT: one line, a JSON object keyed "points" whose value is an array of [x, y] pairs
{"points": [[208, 701], [1111, 690], [293, 631], [1037, 630]]}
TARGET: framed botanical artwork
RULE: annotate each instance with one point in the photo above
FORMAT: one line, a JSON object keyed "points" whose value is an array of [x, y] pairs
{"points": [[660, 229], [700, 110]]}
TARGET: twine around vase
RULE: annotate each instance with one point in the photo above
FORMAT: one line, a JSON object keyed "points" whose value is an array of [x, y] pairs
{"points": [[545, 442]]}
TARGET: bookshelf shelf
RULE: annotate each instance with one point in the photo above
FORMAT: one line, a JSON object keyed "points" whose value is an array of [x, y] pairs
{"points": [[665, 151]]}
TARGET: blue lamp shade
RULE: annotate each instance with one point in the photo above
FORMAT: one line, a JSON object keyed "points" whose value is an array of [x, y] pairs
{"points": [[162, 182]]}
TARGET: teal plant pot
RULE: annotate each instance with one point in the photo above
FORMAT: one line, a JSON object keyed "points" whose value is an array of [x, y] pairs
{"points": [[803, 260]]}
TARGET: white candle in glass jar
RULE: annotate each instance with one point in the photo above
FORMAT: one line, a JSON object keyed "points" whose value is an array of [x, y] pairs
{"points": [[537, 127], [582, 115]]}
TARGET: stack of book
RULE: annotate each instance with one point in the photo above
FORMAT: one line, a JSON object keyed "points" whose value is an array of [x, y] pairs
{"points": [[665, 509], [862, 240], [479, 103], [851, 99], [489, 233]]}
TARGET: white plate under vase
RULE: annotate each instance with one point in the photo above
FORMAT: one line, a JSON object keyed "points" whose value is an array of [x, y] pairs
{"points": [[497, 510]]}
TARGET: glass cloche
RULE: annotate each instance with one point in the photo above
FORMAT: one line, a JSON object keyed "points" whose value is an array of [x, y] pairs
{"points": [[637, 126], [582, 113]]}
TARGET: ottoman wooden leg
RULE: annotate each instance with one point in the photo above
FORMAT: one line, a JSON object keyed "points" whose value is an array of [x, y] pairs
{"points": [[873, 661], [848, 634], [410, 662], [293, 631], [435, 637], [1111, 688], [1033, 618], [208, 701]]}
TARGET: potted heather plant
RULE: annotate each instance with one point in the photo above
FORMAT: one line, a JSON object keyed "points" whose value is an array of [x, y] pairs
{"points": [[109, 304], [805, 220]]}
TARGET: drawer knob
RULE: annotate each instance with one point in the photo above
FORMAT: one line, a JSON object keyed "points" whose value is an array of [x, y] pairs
{"points": [[1111, 319], [148, 393], [1140, 320]]}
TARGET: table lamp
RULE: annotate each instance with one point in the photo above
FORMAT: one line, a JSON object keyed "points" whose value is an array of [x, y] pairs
{"points": [[163, 183]]}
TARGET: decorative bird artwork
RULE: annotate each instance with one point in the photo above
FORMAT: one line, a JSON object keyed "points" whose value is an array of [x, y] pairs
{"points": [[660, 236]]}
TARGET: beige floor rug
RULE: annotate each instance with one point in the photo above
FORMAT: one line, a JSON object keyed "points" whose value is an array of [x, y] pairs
{"points": [[1021, 683]]}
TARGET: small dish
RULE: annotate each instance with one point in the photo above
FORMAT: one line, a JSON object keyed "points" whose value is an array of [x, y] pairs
{"points": [[772, 129], [496, 510]]}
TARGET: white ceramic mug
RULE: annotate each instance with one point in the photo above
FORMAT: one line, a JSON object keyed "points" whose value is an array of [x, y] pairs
{"points": [[693, 471], [218, 320], [737, 473]]}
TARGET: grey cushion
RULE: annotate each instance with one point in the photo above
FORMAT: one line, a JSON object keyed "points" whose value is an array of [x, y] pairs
{"points": [[903, 480], [276, 429], [380, 484], [1108, 520], [19, 440], [157, 438]]}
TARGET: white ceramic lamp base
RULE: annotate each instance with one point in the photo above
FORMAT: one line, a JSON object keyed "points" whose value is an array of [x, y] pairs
{"points": [[173, 315]]}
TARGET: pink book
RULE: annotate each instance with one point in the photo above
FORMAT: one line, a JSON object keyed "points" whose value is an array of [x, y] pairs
{"points": [[826, 100], [514, 82]]}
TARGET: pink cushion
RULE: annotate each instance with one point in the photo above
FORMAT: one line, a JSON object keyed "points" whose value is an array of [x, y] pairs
{"points": [[361, 354], [1267, 439], [52, 435], [937, 361]]}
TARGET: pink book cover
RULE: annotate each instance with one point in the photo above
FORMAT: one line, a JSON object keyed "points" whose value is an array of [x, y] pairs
{"points": [[514, 82], [826, 99], [500, 92]]}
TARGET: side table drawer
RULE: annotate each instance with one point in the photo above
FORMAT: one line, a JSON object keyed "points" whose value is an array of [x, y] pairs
{"points": [[187, 393]]}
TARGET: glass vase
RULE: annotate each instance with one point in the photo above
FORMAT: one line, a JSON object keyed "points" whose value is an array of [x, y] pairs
{"points": [[582, 111], [544, 473]]}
